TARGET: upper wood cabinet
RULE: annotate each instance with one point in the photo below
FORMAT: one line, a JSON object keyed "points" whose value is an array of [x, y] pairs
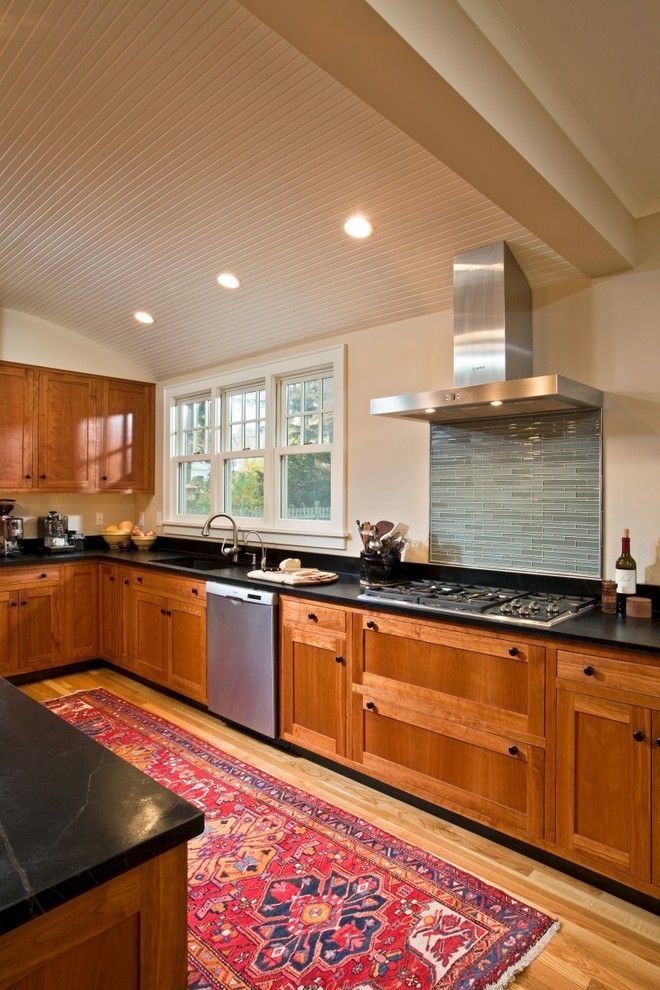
{"points": [[68, 409], [127, 436], [17, 427], [68, 432]]}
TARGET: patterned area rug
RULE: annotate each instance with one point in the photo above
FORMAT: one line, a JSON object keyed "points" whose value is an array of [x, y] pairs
{"points": [[287, 892]]}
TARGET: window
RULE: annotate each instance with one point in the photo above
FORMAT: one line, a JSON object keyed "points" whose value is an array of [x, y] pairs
{"points": [[307, 421], [264, 445], [192, 448]]}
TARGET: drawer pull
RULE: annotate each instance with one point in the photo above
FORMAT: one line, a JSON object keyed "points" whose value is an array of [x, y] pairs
{"points": [[312, 616], [371, 624], [28, 477], [639, 735], [111, 579], [194, 591], [127, 581], [513, 750], [165, 611], [589, 670], [104, 477], [44, 575], [513, 651], [42, 477], [139, 580], [339, 659], [371, 705]]}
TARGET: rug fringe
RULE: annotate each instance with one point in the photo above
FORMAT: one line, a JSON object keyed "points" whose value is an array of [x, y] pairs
{"points": [[509, 976]]}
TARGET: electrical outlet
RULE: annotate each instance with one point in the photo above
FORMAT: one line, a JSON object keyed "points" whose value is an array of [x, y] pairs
{"points": [[141, 520], [99, 518], [159, 518]]}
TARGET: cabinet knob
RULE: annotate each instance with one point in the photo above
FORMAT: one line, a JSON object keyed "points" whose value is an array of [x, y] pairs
{"points": [[14, 604], [44, 575], [163, 612], [111, 579], [23, 602], [371, 624], [371, 705], [513, 651], [312, 616], [127, 581], [339, 659], [639, 735], [513, 750], [43, 477], [28, 477], [657, 741], [104, 477], [195, 591], [139, 580], [589, 670]]}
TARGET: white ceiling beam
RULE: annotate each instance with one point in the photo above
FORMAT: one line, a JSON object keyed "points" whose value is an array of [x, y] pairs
{"points": [[414, 61]]}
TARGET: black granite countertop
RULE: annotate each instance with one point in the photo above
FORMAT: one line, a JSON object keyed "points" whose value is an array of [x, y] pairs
{"points": [[590, 627], [72, 814]]}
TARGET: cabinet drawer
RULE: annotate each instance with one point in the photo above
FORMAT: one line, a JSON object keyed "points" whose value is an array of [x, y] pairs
{"points": [[480, 774], [29, 577], [304, 612], [490, 682], [601, 673], [165, 584]]}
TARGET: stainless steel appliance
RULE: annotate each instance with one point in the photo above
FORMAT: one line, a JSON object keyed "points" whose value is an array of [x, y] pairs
{"points": [[242, 656], [11, 528], [54, 529], [518, 607], [492, 351]]}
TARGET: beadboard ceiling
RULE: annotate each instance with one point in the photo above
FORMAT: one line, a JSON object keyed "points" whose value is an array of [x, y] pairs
{"points": [[148, 145]]}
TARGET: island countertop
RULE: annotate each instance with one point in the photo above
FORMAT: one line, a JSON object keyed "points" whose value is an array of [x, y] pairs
{"points": [[72, 814]]}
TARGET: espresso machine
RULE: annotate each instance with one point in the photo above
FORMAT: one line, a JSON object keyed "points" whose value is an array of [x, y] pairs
{"points": [[54, 528], [11, 528]]}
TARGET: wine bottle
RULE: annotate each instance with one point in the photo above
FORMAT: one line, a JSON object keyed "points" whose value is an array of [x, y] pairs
{"points": [[625, 574]]}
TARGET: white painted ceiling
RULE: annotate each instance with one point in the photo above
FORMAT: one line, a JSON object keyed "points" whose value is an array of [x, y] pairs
{"points": [[146, 145], [601, 58]]}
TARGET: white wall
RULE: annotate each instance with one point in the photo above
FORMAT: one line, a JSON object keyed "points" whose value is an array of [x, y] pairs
{"points": [[29, 340], [606, 333]]}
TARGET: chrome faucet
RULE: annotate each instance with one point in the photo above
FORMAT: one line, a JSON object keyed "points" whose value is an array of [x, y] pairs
{"points": [[253, 532], [226, 551]]}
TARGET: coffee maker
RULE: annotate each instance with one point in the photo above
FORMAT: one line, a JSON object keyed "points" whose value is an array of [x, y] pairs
{"points": [[11, 528], [54, 529]]}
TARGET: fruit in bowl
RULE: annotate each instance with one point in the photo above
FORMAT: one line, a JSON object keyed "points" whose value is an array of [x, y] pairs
{"points": [[143, 540]]}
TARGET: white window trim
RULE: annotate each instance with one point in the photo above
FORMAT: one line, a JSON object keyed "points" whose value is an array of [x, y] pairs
{"points": [[285, 533]]}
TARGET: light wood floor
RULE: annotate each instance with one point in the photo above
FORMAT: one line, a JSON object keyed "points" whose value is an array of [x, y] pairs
{"points": [[604, 943]]}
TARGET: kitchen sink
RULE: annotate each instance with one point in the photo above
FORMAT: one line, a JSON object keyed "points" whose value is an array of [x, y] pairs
{"points": [[198, 563]]}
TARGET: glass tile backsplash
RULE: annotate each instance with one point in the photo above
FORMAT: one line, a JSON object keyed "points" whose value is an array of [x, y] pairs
{"points": [[518, 494]]}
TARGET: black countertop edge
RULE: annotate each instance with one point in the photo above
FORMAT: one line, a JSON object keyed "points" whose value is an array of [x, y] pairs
{"points": [[591, 627], [73, 815]]}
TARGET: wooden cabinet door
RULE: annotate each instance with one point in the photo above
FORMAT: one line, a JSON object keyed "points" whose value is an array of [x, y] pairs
{"points": [[655, 805], [109, 615], [187, 669], [38, 628], [67, 432], [604, 782], [8, 632], [124, 632], [127, 436], [151, 633], [80, 611], [499, 780], [17, 422], [313, 690]]}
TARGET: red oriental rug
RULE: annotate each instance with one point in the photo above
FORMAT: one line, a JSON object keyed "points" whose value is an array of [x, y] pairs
{"points": [[287, 892]]}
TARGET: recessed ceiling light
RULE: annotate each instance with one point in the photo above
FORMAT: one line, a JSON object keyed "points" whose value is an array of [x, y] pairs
{"points": [[228, 281], [496, 402], [358, 226], [142, 317]]}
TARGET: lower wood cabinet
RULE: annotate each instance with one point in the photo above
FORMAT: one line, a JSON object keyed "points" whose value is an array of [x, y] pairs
{"points": [[313, 689], [30, 622], [608, 762], [80, 611]]}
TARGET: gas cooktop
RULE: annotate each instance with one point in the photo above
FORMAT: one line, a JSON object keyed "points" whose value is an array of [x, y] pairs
{"points": [[520, 607]]}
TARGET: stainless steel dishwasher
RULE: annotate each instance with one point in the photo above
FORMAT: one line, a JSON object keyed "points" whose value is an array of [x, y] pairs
{"points": [[242, 656]]}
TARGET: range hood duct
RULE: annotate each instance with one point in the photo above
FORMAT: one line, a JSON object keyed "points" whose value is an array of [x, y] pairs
{"points": [[492, 351]]}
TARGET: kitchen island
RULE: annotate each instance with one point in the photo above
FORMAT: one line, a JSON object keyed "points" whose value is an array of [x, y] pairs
{"points": [[92, 861]]}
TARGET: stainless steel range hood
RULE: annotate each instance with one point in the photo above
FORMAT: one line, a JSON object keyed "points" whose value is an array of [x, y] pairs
{"points": [[492, 352]]}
